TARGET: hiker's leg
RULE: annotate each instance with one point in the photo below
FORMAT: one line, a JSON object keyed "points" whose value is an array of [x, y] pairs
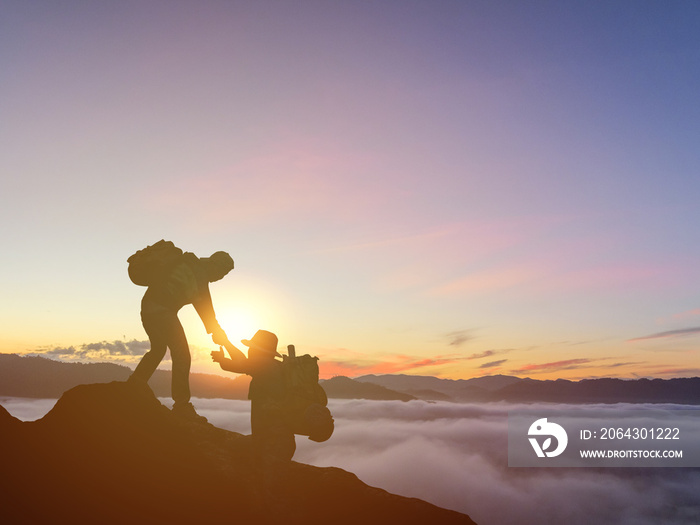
{"points": [[180, 354], [271, 435], [275, 448], [156, 329]]}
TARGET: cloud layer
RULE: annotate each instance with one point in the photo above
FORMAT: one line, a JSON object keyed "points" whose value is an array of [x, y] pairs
{"points": [[455, 456]]}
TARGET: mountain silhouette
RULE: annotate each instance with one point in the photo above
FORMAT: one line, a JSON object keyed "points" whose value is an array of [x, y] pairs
{"points": [[341, 387], [518, 390], [605, 390], [25, 376], [112, 453], [33, 376], [436, 389]]}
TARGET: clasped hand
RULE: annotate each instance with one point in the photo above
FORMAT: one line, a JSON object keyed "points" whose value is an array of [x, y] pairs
{"points": [[218, 355], [220, 338]]}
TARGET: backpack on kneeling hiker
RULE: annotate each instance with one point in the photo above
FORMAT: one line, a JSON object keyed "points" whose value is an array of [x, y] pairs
{"points": [[152, 263], [307, 410]]}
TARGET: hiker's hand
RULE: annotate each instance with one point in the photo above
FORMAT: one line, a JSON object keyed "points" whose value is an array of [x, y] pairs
{"points": [[220, 338], [218, 356]]}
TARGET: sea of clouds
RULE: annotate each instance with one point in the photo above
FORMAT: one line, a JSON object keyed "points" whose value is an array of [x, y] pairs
{"points": [[456, 456]]}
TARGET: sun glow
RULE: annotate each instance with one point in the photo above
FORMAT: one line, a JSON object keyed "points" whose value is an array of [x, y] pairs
{"points": [[238, 323]]}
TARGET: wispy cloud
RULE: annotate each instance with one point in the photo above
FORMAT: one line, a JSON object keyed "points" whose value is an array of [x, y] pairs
{"points": [[595, 365], [493, 364], [669, 372], [608, 277], [487, 281], [324, 180], [628, 363], [411, 240], [558, 273], [682, 316], [489, 353], [695, 312], [100, 350], [568, 364], [669, 333], [459, 337], [395, 364]]}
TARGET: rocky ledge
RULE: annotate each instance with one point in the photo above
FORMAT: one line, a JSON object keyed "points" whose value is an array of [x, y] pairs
{"points": [[112, 453]]}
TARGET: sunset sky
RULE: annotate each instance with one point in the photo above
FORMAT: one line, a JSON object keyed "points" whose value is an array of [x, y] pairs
{"points": [[450, 188]]}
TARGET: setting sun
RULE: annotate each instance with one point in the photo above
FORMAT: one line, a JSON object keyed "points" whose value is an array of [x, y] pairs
{"points": [[238, 322]]}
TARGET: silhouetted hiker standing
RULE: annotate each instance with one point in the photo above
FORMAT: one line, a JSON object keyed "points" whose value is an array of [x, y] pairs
{"points": [[183, 281], [272, 436]]}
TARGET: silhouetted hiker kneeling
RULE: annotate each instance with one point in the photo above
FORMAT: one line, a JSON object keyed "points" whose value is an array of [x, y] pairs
{"points": [[285, 396], [272, 436], [175, 279]]}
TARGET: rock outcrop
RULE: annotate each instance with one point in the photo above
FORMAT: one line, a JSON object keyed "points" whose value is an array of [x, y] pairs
{"points": [[112, 453]]}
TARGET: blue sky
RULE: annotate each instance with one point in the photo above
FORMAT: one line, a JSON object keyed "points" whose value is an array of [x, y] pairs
{"points": [[420, 187]]}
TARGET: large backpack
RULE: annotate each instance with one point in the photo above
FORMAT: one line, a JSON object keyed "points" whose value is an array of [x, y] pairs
{"points": [[153, 262], [306, 401]]}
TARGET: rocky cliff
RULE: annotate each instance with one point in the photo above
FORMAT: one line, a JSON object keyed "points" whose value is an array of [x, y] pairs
{"points": [[112, 453]]}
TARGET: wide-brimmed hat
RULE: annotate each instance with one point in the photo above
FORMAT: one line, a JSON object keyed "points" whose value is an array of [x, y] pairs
{"points": [[264, 341]]}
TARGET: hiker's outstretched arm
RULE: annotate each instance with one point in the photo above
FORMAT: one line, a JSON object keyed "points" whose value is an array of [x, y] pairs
{"points": [[235, 353], [204, 307], [238, 363]]}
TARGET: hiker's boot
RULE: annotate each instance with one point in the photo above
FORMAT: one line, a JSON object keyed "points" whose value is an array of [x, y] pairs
{"points": [[187, 412]]}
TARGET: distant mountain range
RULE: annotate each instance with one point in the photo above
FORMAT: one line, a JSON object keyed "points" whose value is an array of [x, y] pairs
{"points": [[26, 376], [22, 376], [345, 388], [436, 389], [515, 389]]}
